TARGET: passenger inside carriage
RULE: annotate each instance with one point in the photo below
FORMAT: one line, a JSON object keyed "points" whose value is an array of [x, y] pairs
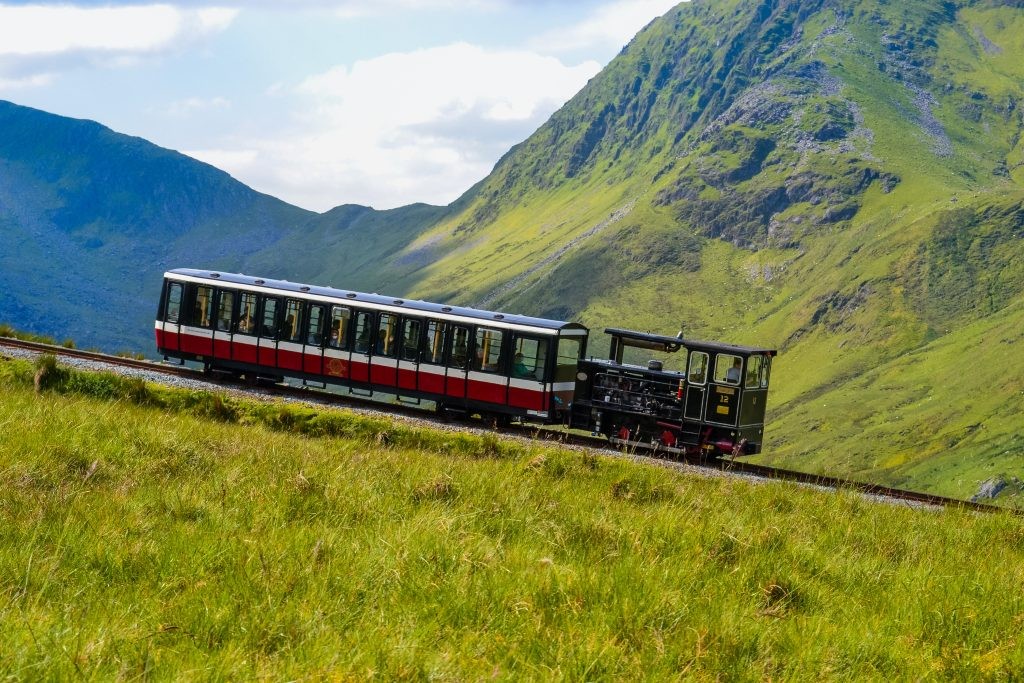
{"points": [[519, 368]]}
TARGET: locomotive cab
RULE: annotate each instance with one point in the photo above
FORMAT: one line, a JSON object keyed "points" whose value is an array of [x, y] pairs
{"points": [[713, 404]]}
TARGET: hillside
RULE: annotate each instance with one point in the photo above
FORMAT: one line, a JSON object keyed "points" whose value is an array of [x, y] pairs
{"points": [[174, 532], [842, 180], [90, 219]]}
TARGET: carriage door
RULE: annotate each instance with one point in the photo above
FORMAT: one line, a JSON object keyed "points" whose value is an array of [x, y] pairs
{"points": [[408, 362], [222, 333], [384, 365], [696, 386], [197, 334], [169, 329], [267, 351], [359, 365], [458, 361]]}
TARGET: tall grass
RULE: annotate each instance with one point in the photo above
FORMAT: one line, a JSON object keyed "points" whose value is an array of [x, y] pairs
{"points": [[140, 541]]}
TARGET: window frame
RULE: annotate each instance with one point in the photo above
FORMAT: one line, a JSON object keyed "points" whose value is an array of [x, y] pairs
{"points": [[254, 314], [433, 346], [261, 326], [308, 327], [453, 333], [166, 317], [539, 364], [221, 294], [344, 328]]}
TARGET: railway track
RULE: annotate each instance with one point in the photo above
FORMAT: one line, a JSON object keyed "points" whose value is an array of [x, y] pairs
{"points": [[533, 432]]}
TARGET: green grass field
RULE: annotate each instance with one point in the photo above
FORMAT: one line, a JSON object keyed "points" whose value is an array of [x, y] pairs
{"points": [[156, 534]]}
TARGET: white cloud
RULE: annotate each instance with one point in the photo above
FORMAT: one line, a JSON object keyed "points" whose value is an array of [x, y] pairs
{"points": [[37, 41], [612, 24], [414, 126], [192, 105]]}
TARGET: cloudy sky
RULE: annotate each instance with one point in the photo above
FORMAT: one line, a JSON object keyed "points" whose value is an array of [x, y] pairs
{"points": [[319, 102]]}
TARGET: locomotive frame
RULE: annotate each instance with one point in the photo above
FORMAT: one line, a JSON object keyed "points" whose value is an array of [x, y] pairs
{"points": [[716, 406]]}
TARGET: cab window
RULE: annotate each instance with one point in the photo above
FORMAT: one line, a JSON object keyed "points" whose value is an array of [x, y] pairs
{"points": [[753, 375], [432, 350], [728, 369], [246, 314], [698, 373], [529, 355], [340, 317], [569, 349], [317, 318], [488, 350], [224, 308], [173, 302]]}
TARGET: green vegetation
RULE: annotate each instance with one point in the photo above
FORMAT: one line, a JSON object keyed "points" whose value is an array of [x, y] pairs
{"points": [[842, 181], [173, 543]]}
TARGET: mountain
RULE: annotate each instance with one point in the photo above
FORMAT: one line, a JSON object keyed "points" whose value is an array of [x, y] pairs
{"points": [[90, 219], [843, 180]]}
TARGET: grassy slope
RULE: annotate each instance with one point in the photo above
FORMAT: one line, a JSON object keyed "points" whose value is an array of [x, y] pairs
{"points": [[869, 312], [139, 542]]}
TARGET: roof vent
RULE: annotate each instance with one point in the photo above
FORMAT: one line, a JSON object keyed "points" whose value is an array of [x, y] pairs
{"points": [[304, 289], [499, 316], [446, 309], [399, 302], [259, 282], [214, 274], [350, 295]]}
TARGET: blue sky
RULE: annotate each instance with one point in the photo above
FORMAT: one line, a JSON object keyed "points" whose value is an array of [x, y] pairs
{"points": [[319, 102]]}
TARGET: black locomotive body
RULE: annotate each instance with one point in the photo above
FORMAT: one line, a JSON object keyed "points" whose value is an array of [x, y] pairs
{"points": [[713, 406]]}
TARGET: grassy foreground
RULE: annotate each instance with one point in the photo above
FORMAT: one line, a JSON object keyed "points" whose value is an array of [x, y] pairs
{"points": [[173, 542]]}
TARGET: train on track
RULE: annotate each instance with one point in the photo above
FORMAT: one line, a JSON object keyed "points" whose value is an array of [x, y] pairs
{"points": [[470, 362]]}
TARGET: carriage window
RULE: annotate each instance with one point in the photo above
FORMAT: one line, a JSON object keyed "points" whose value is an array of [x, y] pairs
{"points": [[292, 330], [203, 310], [387, 344], [753, 376], [226, 303], [340, 317], [460, 347], [246, 314], [569, 349], [698, 373], [410, 340], [728, 368], [173, 302], [363, 322], [488, 350], [529, 357], [269, 325], [317, 317], [432, 350]]}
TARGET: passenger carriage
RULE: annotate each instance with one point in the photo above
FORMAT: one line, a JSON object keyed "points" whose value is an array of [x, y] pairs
{"points": [[464, 360]]}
